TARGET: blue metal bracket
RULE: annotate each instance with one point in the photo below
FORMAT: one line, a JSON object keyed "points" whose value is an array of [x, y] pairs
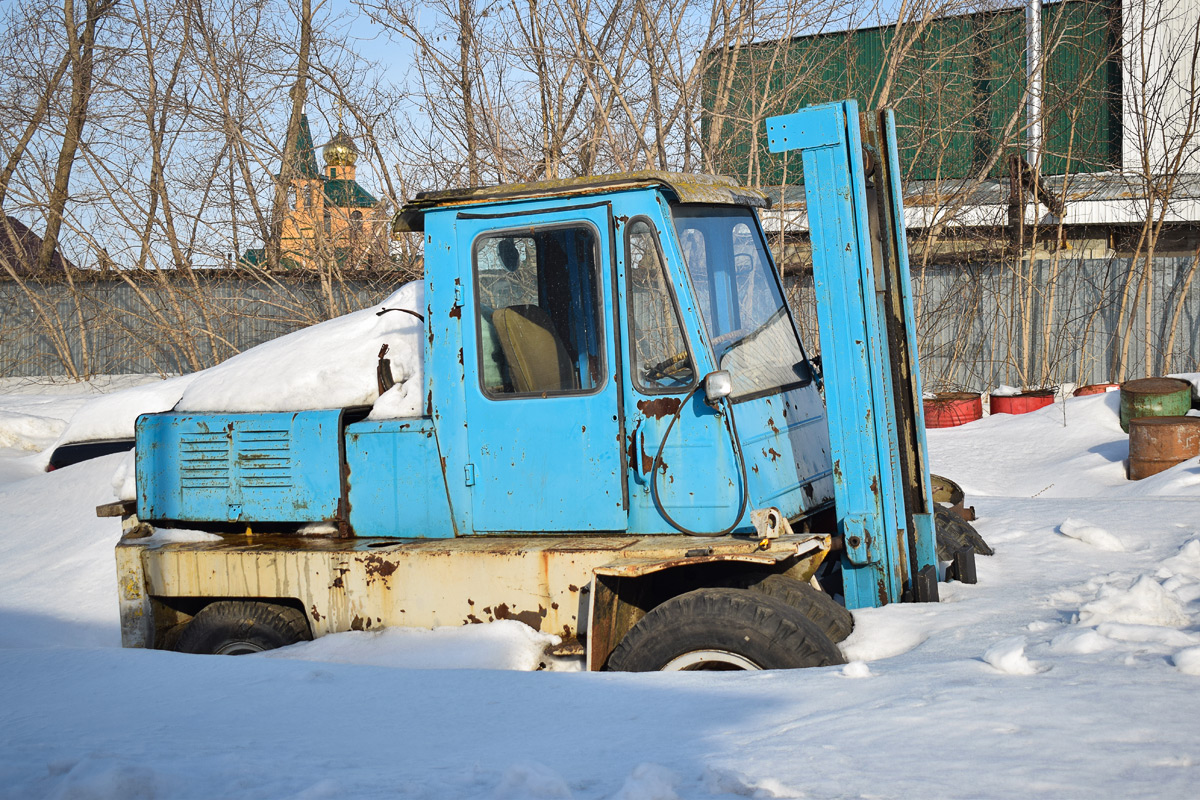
{"points": [[868, 349]]}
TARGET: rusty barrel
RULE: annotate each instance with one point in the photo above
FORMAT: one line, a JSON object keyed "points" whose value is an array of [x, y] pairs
{"points": [[1094, 388], [1159, 443], [1154, 397], [1021, 403], [948, 409]]}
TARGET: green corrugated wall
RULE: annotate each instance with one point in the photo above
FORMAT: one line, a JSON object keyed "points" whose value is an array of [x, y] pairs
{"points": [[957, 92]]}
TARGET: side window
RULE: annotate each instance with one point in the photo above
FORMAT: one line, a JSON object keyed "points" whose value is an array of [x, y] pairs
{"points": [[538, 311], [661, 361]]}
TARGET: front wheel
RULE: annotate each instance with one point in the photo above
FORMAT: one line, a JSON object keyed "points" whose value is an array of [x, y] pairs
{"points": [[240, 627], [723, 629]]}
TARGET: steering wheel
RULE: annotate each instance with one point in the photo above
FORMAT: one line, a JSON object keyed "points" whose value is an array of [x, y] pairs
{"points": [[677, 369]]}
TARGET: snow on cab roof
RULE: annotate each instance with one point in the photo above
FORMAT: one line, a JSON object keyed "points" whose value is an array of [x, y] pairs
{"points": [[686, 187]]}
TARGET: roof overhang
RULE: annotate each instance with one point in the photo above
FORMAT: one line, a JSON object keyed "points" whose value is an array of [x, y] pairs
{"points": [[684, 188]]}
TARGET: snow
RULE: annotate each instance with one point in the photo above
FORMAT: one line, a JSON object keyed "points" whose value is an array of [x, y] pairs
{"points": [[1070, 670], [1009, 657], [1090, 534], [1191, 377], [112, 416], [504, 644], [35, 413], [329, 365]]}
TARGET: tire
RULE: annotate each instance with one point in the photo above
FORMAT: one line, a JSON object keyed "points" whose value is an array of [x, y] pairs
{"points": [[834, 619], [723, 629], [239, 627], [953, 533]]}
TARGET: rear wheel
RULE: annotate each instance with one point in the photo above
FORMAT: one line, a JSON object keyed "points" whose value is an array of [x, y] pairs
{"points": [[723, 629], [830, 616], [954, 533], [240, 627]]}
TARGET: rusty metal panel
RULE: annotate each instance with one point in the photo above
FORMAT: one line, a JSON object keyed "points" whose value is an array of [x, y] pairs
{"points": [[137, 623], [366, 584]]}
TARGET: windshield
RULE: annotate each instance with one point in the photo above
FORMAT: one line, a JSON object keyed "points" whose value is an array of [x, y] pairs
{"points": [[739, 298]]}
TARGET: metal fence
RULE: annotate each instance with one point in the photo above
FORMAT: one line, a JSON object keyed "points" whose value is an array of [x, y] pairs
{"points": [[164, 323], [980, 324]]}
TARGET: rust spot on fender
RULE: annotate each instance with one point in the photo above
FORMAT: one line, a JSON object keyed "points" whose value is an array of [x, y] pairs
{"points": [[771, 425], [357, 623], [316, 614], [775, 454], [378, 566], [657, 409], [531, 618], [337, 582]]}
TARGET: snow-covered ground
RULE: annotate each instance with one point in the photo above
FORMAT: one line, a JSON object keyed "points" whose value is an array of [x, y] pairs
{"points": [[1072, 670]]}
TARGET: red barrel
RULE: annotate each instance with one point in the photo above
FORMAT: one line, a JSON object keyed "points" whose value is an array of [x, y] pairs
{"points": [[1094, 388], [1021, 403], [1159, 443], [949, 409]]}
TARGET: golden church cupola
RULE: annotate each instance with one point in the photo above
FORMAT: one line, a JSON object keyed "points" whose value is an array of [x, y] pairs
{"points": [[340, 155]]}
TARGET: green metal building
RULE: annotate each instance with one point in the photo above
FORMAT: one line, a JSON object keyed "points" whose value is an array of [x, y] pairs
{"points": [[957, 87]]}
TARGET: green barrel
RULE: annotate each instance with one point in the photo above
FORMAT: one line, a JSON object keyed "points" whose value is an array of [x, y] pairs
{"points": [[1154, 397]]}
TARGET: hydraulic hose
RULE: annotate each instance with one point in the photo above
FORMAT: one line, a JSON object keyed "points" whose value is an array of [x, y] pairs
{"points": [[731, 426]]}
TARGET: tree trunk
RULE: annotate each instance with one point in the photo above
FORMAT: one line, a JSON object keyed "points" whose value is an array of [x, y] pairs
{"points": [[80, 50], [299, 94]]}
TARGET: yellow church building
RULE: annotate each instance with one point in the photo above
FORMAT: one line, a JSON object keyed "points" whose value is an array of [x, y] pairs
{"points": [[330, 220]]}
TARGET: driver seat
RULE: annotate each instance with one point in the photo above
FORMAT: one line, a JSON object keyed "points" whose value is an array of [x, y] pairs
{"points": [[537, 359]]}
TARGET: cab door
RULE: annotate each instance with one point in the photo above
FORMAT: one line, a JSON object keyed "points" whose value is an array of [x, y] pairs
{"points": [[683, 472], [542, 391]]}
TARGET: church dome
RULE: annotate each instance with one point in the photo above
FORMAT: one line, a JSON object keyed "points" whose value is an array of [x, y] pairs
{"points": [[341, 151]]}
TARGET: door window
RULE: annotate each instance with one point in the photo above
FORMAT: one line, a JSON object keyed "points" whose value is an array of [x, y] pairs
{"points": [[538, 311], [661, 361]]}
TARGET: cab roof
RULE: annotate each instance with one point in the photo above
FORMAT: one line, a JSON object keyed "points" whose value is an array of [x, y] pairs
{"points": [[687, 188]]}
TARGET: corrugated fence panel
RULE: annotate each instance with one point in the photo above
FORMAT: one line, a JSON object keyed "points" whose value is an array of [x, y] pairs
{"points": [[163, 324], [974, 321]]}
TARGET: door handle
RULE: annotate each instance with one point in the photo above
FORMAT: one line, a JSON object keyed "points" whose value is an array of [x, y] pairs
{"points": [[637, 450]]}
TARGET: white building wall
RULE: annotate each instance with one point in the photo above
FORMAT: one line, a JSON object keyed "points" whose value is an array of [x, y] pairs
{"points": [[1160, 86]]}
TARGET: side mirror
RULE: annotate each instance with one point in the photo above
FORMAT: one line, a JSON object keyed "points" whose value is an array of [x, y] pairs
{"points": [[717, 385]]}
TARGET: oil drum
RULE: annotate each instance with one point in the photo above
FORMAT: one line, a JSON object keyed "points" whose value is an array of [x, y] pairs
{"points": [[1159, 443], [948, 409], [1154, 397], [1094, 388], [1021, 403]]}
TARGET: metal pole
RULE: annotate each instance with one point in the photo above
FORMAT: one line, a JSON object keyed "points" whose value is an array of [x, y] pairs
{"points": [[1033, 72]]}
